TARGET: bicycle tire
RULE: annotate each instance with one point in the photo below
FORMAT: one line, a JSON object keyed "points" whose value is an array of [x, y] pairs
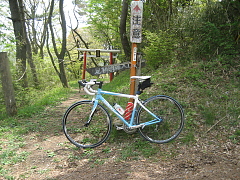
{"points": [[86, 135], [167, 109]]}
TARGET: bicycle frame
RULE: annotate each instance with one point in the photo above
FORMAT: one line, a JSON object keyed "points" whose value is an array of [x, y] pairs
{"points": [[129, 124]]}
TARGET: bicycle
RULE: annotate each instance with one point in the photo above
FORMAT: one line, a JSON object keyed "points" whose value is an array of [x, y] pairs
{"points": [[87, 124]]}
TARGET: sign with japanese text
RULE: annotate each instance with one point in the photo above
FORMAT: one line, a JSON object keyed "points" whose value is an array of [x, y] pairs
{"points": [[108, 69], [136, 21]]}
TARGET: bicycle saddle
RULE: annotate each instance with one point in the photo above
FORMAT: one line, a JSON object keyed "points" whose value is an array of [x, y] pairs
{"points": [[140, 77]]}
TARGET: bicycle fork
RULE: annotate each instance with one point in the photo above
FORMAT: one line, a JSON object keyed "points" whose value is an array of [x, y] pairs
{"points": [[92, 112]]}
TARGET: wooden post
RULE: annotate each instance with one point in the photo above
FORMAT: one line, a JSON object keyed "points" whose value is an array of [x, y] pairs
{"points": [[84, 65], [7, 85], [135, 37], [98, 54], [133, 68], [111, 62]]}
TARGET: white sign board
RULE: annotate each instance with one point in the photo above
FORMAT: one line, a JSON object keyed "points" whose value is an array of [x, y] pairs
{"points": [[108, 69], [136, 21]]}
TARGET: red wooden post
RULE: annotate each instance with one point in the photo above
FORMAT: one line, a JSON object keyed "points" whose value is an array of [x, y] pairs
{"points": [[135, 37], [85, 51], [84, 65], [111, 62], [133, 68]]}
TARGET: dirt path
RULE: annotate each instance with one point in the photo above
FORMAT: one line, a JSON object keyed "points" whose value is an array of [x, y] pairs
{"points": [[53, 157]]}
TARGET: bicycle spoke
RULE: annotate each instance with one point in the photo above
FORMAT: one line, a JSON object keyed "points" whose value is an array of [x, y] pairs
{"points": [[83, 130], [172, 117]]}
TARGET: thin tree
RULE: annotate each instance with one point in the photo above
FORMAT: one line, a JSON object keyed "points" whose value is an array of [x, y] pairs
{"points": [[21, 45], [60, 55], [37, 31], [28, 47]]}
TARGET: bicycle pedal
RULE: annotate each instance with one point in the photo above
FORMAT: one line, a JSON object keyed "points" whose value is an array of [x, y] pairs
{"points": [[119, 127]]}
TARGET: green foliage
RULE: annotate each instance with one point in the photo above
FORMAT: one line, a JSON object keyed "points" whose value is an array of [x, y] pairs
{"points": [[213, 41], [209, 115], [36, 100], [210, 39], [8, 150], [195, 77], [196, 31], [119, 83], [216, 31], [33, 101], [138, 150], [235, 137], [188, 138], [208, 91], [160, 48], [104, 20], [6, 35], [157, 15]]}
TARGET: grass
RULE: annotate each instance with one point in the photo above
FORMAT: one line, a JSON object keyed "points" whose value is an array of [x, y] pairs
{"points": [[9, 155], [12, 129], [38, 104]]}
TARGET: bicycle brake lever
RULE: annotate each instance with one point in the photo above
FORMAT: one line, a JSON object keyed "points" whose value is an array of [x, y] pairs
{"points": [[82, 83]]}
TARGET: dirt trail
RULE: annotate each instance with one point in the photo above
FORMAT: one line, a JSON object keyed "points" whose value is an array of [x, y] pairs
{"points": [[53, 157]]}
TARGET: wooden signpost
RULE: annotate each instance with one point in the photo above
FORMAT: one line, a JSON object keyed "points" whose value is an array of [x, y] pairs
{"points": [[135, 37], [136, 21], [98, 54], [108, 69]]}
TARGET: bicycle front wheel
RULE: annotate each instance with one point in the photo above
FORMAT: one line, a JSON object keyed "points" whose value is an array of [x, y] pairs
{"points": [[84, 129], [171, 113]]}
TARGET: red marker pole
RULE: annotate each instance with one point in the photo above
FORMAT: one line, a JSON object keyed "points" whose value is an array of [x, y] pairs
{"points": [[133, 69], [111, 62], [135, 37], [84, 65]]}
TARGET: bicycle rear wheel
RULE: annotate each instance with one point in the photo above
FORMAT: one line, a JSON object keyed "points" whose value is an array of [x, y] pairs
{"points": [[171, 113], [85, 131]]}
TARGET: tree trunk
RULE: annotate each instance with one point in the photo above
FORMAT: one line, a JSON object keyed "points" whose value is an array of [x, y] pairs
{"points": [[61, 73], [7, 85], [37, 39], [28, 47], [123, 33], [21, 46], [32, 65], [64, 46]]}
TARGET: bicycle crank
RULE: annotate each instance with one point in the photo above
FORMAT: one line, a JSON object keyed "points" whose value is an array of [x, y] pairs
{"points": [[129, 130]]}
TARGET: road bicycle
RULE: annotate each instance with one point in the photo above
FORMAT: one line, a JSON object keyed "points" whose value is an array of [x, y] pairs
{"points": [[87, 124]]}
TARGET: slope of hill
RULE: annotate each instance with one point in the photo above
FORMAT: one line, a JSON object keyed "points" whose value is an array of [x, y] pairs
{"points": [[34, 147]]}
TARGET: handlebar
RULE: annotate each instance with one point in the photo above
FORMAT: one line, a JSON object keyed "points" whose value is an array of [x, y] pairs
{"points": [[87, 86]]}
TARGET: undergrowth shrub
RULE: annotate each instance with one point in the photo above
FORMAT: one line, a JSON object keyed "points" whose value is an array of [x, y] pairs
{"points": [[160, 48], [216, 32]]}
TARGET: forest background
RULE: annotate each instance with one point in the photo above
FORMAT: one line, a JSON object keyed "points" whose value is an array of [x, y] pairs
{"points": [[191, 49]]}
